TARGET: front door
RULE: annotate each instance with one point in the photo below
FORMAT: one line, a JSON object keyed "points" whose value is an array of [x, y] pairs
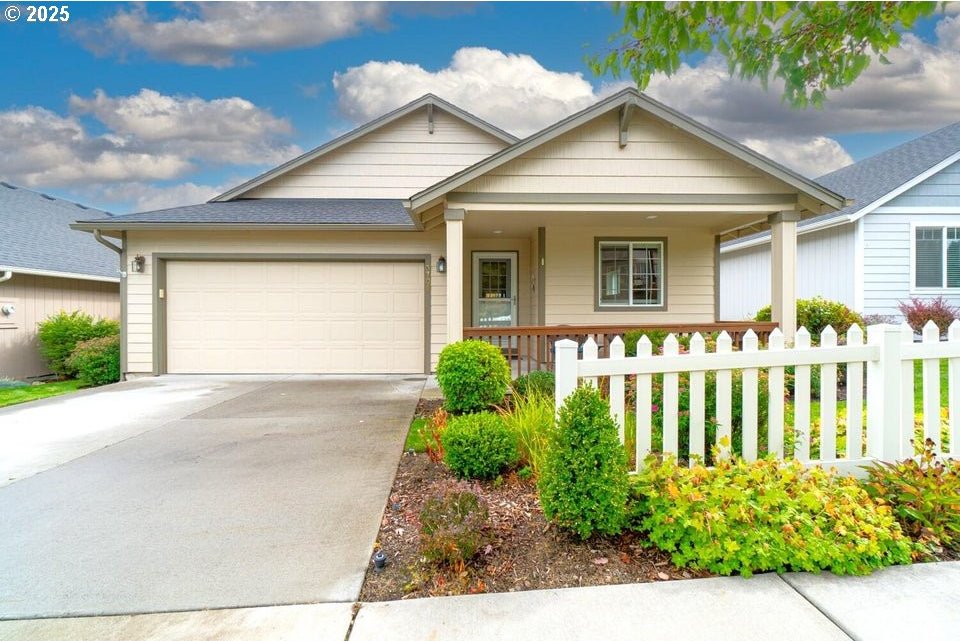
{"points": [[494, 289]]}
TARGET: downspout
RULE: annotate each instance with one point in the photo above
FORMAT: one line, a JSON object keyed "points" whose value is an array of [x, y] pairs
{"points": [[7, 275], [123, 302]]}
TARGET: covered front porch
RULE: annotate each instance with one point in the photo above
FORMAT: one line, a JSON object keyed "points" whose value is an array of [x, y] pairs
{"points": [[523, 277]]}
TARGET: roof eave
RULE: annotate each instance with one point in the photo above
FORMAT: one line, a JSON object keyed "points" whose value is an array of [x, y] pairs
{"points": [[32, 271], [184, 226]]}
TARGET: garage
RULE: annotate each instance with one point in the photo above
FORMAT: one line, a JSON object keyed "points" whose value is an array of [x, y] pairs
{"points": [[294, 316]]}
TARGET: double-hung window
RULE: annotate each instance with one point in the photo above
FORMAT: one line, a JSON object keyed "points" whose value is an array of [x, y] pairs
{"points": [[631, 273], [936, 257]]}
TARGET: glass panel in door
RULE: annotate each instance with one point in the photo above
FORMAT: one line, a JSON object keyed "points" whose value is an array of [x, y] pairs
{"points": [[494, 290]]}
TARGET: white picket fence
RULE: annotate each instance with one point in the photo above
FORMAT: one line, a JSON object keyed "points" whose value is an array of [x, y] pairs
{"points": [[886, 360]]}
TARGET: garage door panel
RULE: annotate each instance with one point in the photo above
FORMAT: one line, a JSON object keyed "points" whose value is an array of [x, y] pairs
{"points": [[288, 317]]}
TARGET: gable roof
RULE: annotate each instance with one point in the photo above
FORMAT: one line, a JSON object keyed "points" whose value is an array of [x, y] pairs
{"points": [[631, 98], [35, 237], [336, 143], [332, 213], [878, 179]]}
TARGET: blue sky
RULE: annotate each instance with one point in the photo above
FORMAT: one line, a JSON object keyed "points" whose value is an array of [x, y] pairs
{"points": [[131, 106]]}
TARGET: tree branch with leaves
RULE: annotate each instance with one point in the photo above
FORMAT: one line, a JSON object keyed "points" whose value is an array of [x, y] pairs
{"points": [[813, 47]]}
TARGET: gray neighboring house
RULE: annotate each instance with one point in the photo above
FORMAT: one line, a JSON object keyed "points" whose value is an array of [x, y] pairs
{"points": [[46, 267], [899, 239]]}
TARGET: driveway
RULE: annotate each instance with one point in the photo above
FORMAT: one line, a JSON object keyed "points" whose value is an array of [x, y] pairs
{"points": [[197, 493]]}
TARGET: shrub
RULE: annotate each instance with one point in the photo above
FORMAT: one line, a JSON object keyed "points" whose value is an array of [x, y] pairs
{"points": [[451, 527], [473, 375], [816, 313], [917, 312], [59, 335], [877, 319], [765, 516], [531, 419], [96, 361], [536, 382], [924, 494], [431, 435], [479, 446], [583, 485]]}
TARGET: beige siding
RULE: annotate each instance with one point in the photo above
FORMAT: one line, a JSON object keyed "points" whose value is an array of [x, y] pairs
{"points": [[658, 159], [36, 298], [524, 284], [394, 161], [571, 275], [140, 288]]}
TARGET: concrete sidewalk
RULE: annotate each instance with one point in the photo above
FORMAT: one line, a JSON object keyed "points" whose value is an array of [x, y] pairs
{"points": [[886, 606]]}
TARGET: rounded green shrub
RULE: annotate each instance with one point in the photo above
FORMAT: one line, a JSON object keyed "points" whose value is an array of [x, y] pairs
{"points": [[818, 312], [479, 446], [767, 515], [96, 361], [536, 382], [472, 375], [583, 485], [59, 335]]}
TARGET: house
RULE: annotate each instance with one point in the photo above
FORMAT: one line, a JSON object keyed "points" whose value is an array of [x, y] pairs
{"points": [[899, 239], [373, 251], [45, 268]]}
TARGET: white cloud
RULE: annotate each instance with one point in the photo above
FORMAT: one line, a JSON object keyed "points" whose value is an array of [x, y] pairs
{"points": [[230, 130], [149, 136], [810, 156], [139, 196], [513, 91], [212, 33]]}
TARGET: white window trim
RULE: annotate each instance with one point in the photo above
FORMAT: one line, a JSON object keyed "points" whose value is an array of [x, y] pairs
{"points": [[661, 303], [943, 224]]}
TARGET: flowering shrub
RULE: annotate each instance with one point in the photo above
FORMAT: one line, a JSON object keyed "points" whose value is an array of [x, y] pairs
{"points": [[816, 313], [917, 312]]}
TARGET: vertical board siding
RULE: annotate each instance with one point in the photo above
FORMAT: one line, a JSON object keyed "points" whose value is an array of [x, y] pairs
{"points": [[571, 274], [140, 286], [394, 161], [825, 267], [657, 159], [38, 297]]}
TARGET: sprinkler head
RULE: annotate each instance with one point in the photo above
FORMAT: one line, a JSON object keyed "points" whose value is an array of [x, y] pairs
{"points": [[379, 561]]}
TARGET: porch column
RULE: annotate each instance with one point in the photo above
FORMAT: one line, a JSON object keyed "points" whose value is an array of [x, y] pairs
{"points": [[454, 222], [783, 271]]}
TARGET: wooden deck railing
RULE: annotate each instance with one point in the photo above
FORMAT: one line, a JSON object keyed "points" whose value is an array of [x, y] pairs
{"points": [[531, 348]]}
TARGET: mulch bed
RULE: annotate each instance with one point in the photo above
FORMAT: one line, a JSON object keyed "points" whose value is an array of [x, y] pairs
{"points": [[524, 551]]}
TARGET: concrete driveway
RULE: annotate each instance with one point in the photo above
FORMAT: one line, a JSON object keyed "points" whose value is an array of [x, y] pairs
{"points": [[191, 493]]}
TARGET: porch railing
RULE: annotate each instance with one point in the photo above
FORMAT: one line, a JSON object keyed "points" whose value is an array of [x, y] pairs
{"points": [[530, 348]]}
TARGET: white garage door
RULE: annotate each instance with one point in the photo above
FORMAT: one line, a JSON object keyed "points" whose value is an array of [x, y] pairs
{"points": [[294, 317]]}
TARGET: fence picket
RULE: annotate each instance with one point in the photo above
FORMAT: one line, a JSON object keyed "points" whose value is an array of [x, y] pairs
{"points": [[907, 398], [590, 353], [724, 395], [565, 371], [697, 401], [775, 403], [953, 391], [828, 400], [671, 400], [931, 389], [801, 401], [616, 388], [854, 391], [644, 404], [749, 400]]}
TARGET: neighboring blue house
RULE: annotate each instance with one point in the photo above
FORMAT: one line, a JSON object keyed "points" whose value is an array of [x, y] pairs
{"points": [[899, 239]]}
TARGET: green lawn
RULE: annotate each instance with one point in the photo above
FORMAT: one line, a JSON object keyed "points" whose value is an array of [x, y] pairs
{"points": [[414, 441], [14, 395]]}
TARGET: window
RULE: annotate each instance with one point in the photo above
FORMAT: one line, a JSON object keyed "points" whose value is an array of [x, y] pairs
{"points": [[630, 273], [936, 257]]}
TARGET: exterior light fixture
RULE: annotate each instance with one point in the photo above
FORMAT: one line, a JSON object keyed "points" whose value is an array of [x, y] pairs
{"points": [[138, 264], [442, 265]]}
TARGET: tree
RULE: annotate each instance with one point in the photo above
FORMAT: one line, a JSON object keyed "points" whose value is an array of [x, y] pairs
{"points": [[812, 46]]}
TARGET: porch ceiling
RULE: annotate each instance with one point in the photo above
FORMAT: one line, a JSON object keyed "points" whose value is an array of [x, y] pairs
{"points": [[517, 223]]}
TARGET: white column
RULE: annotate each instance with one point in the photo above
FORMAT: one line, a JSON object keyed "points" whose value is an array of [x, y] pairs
{"points": [[783, 271], [454, 222]]}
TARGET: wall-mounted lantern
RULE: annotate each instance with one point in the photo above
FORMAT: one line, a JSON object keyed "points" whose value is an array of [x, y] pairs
{"points": [[442, 265], [138, 264]]}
